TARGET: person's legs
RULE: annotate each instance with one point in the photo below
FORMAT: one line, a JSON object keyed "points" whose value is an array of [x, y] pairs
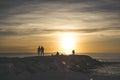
{"points": [[38, 53], [41, 53]]}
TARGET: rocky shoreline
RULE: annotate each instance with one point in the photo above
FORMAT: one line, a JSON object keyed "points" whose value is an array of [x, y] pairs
{"points": [[73, 63]]}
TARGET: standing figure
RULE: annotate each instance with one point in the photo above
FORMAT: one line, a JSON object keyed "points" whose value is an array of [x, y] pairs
{"points": [[73, 52], [42, 51], [39, 49]]}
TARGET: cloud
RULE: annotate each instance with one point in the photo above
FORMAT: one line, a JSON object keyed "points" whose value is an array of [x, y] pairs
{"points": [[82, 30], [36, 31], [22, 18], [8, 7], [91, 15]]}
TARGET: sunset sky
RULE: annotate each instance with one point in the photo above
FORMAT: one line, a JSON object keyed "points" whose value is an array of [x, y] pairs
{"points": [[60, 25]]}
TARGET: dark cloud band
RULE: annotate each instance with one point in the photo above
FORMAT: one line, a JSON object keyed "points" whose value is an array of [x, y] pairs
{"points": [[47, 31]]}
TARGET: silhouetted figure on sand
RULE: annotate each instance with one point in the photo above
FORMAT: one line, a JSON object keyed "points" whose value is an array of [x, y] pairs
{"points": [[73, 52], [39, 51], [42, 51]]}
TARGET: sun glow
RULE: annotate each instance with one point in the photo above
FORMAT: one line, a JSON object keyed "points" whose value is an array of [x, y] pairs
{"points": [[68, 42]]}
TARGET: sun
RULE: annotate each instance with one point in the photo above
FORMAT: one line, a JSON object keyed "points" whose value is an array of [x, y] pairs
{"points": [[68, 42]]}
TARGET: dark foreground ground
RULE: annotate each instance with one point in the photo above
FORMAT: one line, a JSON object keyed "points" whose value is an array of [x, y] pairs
{"points": [[77, 67]]}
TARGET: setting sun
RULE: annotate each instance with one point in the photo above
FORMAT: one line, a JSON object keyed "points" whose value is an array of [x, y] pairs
{"points": [[68, 42]]}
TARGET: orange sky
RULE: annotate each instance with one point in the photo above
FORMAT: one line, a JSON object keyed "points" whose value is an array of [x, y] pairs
{"points": [[83, 25]]}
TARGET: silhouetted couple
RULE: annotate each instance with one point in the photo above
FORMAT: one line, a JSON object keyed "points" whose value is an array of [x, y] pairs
{"points": [[41, 51]]}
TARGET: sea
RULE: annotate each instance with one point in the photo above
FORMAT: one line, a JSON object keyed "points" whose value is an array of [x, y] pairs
{"points": [[112, 69]]}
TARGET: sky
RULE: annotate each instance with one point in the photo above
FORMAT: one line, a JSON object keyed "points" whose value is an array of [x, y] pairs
{"points": [[87, 26]]}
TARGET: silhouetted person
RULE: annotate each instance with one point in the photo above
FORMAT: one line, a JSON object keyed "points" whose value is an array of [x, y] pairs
{"points": [[73, 52], [42, 51], [39, 50], [57, 54]]}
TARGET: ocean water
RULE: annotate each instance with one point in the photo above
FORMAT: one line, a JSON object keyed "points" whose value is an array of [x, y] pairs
{"points": [[111, 69], [20, 55], [106, 57]]}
